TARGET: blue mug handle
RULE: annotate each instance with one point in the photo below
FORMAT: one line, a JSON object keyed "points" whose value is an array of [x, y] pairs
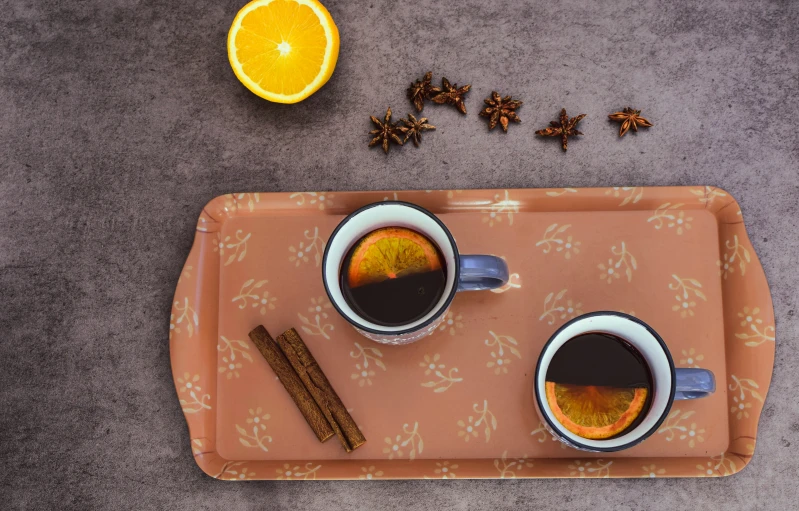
{"points": [[479, 272], [694, 383]]}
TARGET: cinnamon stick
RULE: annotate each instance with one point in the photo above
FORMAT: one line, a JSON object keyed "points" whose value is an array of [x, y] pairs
{"points": [[317, 383], [294, 386], [315, 391]]}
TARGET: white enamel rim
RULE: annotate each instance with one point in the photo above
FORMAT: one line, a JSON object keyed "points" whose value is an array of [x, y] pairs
{"points": [[367, 220], [647, 345]]}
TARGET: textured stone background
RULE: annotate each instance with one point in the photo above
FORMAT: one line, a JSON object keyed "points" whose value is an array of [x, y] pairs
{"points": [[119, 119]]}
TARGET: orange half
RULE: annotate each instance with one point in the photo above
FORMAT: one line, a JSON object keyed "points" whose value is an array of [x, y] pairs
{"points": [[283, 50], [595, 412], [390, 253]]}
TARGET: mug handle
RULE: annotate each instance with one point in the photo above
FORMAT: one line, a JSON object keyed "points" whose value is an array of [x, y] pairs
{"points": [[694, 383], [480, 272]]}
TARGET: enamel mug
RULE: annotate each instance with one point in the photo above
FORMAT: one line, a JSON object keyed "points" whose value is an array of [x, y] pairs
{"points": [[463, 272], [668, 384]]}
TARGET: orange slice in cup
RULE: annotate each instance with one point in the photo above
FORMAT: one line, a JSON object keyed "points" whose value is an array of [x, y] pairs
{"points": [[595, 412], [390, 253]]}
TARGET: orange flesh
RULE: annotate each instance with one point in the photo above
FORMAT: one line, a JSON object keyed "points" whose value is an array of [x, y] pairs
{"points": [[389, 253], [595, 412]]}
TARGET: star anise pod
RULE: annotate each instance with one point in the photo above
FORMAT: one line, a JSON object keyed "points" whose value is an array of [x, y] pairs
{"points": [[450, 94], [420, 90], [629, 118], [413, 128], [500, 110], [385, 133], [563, 129]]}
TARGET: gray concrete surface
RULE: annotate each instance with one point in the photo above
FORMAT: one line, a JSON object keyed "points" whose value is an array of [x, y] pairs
{"points": [[119, 119]]}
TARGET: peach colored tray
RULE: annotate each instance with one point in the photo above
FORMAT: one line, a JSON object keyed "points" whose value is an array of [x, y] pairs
{"points": [[459, 403]]}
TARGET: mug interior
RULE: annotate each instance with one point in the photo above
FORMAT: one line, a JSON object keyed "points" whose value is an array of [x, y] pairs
{"points": [[646, 342], [366, 220]]}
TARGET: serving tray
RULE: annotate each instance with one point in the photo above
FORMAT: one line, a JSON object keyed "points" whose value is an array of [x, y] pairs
{"points": [[459, 403]]}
